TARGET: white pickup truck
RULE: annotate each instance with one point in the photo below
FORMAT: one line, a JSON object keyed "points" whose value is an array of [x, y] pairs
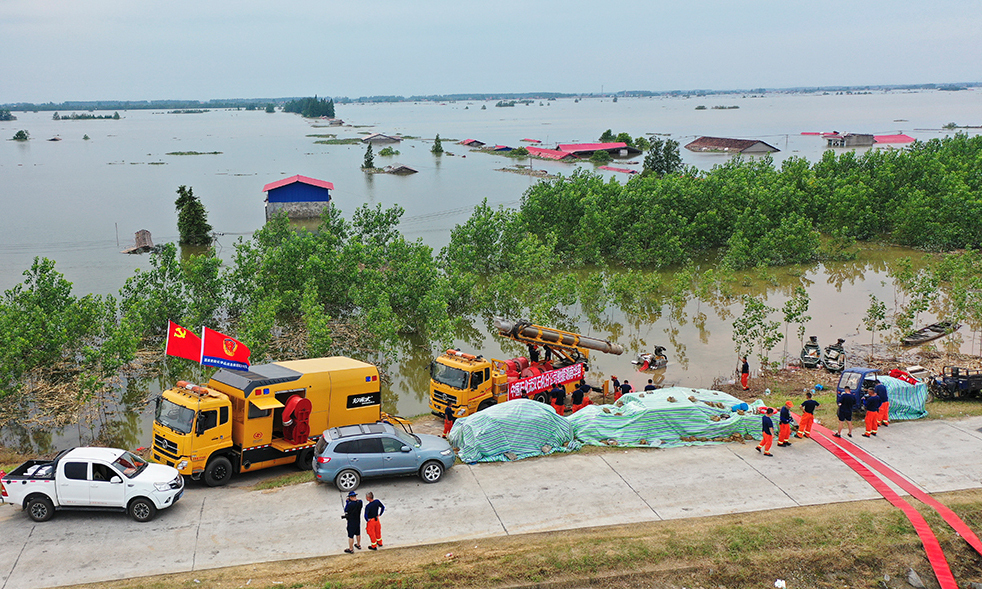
{"points": [[92, 478]]}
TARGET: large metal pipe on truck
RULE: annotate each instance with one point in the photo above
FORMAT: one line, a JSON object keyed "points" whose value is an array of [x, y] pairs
{"points": [[526, 331]]}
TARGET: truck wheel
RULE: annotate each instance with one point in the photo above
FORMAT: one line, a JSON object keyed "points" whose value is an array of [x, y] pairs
{"points": [[305, 460], [218, 472], [347, 480], [541, 398], [41, 509], [485, 404], [142, 509], [431, 472]]}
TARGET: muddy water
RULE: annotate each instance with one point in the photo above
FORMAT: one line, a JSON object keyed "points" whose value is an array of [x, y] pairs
{"points": [[698, 336]]}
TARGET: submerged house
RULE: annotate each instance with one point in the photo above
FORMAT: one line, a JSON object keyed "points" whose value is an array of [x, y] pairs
{"points": [[472, 143], [551, 154], [726, 145], [849, 140], [400, 169], [376, 138], [299, 196], [615, 149]]}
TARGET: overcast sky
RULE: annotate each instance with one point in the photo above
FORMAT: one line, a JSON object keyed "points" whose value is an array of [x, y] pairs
{"points": [[57, 50]]}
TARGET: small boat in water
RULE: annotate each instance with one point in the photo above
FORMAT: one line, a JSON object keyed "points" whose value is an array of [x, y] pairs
{"points": [[835, 357], [653, 361], [929, 333], [811, 354]]}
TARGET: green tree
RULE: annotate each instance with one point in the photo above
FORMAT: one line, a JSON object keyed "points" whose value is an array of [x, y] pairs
{"points": [[192, 218], [607, 136], [21, 135], [875, 320], [754, 331], [624, 138], [387, 151], [437, 148], [601, 157], [663, 158], [794, 312], [115, 116], [369, 163], [270, 108]]}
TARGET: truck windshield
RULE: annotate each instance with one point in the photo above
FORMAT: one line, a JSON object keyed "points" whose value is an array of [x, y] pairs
{"points": [[130, 464], [174, 416], [454, 377]]}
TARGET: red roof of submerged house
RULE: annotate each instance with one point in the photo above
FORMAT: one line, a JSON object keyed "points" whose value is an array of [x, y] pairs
{"points": [[893, 138], [575, 147], [622, 170], [527, 140], [474, 142], [549, 154], [298, 178], [726, 144]]}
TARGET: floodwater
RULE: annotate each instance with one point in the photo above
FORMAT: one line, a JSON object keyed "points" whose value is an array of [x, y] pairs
{"points": [[80, 201]]}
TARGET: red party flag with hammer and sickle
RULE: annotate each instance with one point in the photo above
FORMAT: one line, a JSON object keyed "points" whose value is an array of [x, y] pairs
{"points": [[182, 343]]}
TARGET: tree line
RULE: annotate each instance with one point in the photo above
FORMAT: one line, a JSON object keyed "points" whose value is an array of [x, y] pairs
{"points": [[311, 107]]}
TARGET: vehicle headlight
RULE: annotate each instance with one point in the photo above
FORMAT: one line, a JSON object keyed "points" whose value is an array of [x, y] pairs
{"points": [[162, 487], [446, 452], [181, 465]]}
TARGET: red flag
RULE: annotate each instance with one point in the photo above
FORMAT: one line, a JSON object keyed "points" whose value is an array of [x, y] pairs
{"points": [[218, 349], [182, 343]]}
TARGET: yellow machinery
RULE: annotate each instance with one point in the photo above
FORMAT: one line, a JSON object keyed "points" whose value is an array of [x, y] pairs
{"points": [[273, 414], [469, 383]]}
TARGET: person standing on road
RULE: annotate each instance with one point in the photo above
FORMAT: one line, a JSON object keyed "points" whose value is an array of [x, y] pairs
{"points": [[872, 404], [558, 394], [352, 513], [784, 427], [373, 509], [767, 428], [807, 416], [881, 391], [745, 374], [845, 401]]}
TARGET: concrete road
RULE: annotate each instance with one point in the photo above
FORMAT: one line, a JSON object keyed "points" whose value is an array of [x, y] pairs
{"points": [[212, 528]]}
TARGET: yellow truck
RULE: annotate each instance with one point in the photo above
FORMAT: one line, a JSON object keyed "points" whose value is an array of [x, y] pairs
{"points": [[271, 414], [470, 383]]}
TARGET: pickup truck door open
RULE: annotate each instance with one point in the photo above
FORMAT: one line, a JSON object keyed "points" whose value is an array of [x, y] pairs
{"points": [[103, 492]]}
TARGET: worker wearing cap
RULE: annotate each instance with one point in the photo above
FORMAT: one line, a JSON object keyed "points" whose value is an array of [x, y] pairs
{"points": [[784, 429], [881, 391], [373, 509], [807, 416], [352, 513], [767, 428], [872, 403], [558, 395]]}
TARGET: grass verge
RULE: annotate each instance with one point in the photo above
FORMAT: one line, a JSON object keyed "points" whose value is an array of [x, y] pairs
{"points": [[828, 546]]}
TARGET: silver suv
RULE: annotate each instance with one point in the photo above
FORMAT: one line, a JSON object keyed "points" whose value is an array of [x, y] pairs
{"points": [[345, 455]]}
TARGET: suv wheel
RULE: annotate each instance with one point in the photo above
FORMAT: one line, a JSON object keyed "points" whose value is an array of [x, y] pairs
{"points": [[431, 472], [347, 480]]}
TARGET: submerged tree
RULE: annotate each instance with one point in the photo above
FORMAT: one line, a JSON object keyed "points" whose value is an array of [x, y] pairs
{"points": [[369, 162], [192, 218], [662, 158], [437, 146]]}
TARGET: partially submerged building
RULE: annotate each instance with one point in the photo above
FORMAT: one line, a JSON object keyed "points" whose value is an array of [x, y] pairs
{"points": [[401, 169], [377, 138], [472, 143], [550, 154], [727, 145], [299, 196], [849, 140], [585, 150]]}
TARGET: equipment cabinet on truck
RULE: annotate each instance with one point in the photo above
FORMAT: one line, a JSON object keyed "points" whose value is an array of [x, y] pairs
{"points": [[271, 414]]}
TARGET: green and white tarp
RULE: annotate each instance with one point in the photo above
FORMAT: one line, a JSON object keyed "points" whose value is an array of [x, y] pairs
{"points": [[667, 418], [906, 400], [512, 431]]}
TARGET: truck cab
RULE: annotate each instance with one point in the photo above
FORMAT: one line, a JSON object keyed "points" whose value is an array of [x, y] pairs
{"points": [[465, 382]]}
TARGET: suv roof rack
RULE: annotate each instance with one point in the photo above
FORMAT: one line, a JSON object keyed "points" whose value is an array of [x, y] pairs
{"points": [[347, 431]]}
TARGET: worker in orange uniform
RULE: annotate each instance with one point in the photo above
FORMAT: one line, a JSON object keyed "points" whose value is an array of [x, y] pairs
{"points": [[448, 419], [807, 416], [373, 528], [581, 397], [745, 374], [881, 391], [558, 395], [767, 428], [872, 403], [784, 427]]}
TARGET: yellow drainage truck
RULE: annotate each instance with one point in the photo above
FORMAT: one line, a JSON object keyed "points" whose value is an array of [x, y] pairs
{"points": [[271, 414]]}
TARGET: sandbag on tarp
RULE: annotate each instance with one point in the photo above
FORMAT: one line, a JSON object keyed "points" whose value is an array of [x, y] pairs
{"points": [[906, 400], [666, 418], [512, 431]]}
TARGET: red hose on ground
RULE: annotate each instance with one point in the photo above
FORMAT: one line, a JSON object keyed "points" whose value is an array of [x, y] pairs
{"points": [[931, 546], [947, 514]]}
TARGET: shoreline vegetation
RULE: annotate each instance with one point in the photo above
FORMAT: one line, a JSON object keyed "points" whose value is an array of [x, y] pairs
{"points": [[291, 293]]}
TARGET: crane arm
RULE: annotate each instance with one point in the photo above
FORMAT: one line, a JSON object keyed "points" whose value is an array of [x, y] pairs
{"points": [[525, 332]]}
